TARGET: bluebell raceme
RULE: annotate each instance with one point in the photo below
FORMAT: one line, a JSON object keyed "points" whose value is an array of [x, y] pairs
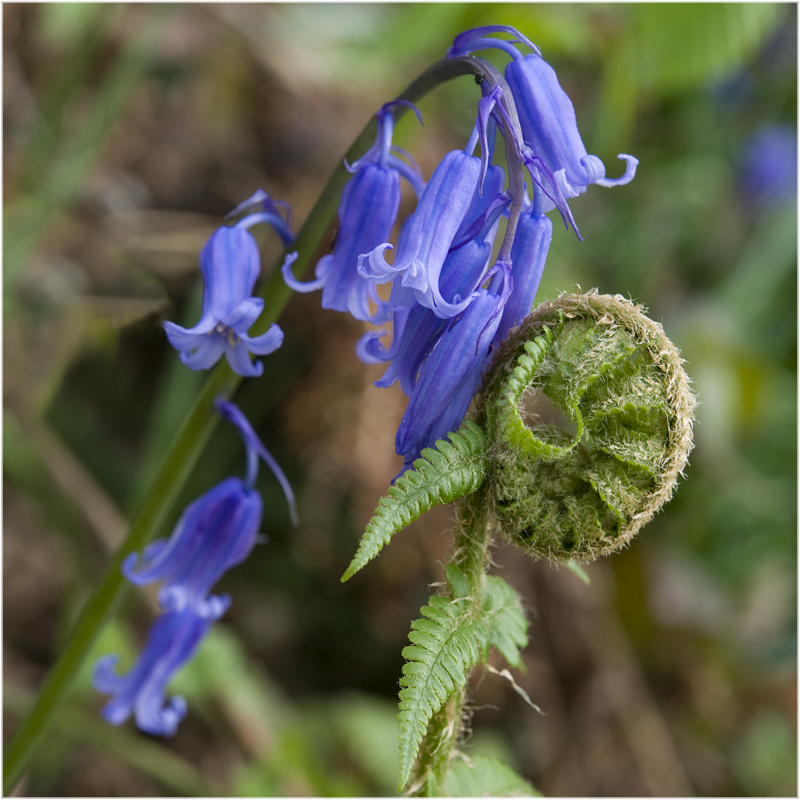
{"points": [[456, 291]]}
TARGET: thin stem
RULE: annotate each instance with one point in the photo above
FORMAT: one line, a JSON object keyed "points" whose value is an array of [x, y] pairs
{"points": [[191, 439]]}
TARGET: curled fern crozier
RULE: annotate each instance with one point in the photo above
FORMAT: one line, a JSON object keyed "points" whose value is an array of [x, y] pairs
{"points": [[588, 413]]}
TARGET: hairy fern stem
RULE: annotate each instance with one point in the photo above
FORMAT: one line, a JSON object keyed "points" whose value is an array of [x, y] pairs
{"points": [[472, 539]]}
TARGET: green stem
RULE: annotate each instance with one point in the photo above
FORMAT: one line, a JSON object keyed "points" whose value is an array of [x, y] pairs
{"points": [[190, 442], [472, 542]]}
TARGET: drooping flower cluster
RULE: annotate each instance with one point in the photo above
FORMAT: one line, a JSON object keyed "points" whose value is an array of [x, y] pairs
{"points": [[451, 301], [216, 532]]}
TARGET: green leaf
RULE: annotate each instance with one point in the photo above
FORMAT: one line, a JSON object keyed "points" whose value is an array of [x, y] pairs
{"points": [[502, 623], [444, 648], [486, 777], [459, 584], [454, 469]]}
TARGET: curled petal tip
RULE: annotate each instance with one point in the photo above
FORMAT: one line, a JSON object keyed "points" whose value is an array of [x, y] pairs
{"points": [[292, 282], [158, 721], [129, 567], [627, 177], [374, 266], [104, 677], [265, 344], [239, 361]]}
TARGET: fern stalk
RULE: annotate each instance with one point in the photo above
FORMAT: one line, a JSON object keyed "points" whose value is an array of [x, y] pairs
{"points": [[472, 539]]}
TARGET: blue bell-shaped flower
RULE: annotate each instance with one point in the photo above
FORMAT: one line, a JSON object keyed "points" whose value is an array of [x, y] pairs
{"points": [[215, 532], [173, 640], [367, 213], [452, 372], [230, 265]]}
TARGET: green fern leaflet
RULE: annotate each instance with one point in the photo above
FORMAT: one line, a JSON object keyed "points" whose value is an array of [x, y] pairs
{"points": [[446, 644], [454, 469], [444, 649], [502, 623]]}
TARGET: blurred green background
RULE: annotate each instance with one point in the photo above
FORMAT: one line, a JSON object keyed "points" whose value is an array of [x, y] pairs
{"points": [[130, 130]]}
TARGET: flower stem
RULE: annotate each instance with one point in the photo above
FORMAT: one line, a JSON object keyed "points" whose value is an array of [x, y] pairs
{"points": [[191, 439]]}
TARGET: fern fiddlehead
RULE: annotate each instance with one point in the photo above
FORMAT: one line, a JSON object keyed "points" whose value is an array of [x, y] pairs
{"points": [[608, 428]]}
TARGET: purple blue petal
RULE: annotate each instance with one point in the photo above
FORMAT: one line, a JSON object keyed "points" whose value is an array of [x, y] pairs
{"points": [[172, 641]]}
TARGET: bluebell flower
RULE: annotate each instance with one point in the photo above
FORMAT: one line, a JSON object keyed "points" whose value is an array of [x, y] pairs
{"points": [[415, 332], [452, 372], [528, 255], [215, 532], [546, 114], [416, 327], [769, 170], [428, 235], [367, 214], [550, 128], [230, 265], [173, 640]]}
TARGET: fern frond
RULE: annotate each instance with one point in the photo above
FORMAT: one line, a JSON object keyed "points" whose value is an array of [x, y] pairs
{"points": [[454, 469], [486, 777], [444, 648], [445, 644], [502, 623]]}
